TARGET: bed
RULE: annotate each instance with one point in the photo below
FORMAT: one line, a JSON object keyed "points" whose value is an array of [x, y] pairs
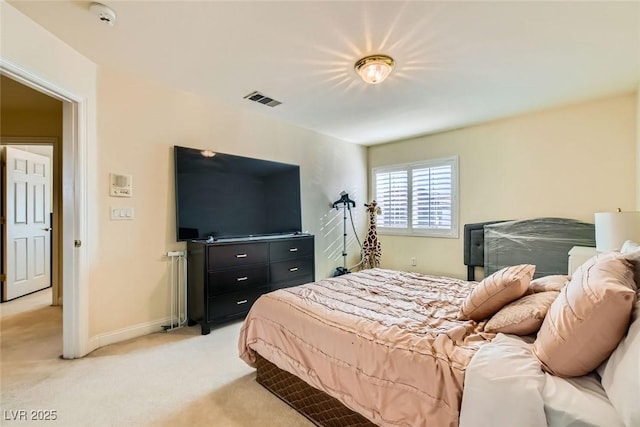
{"points": [[383, 347]]}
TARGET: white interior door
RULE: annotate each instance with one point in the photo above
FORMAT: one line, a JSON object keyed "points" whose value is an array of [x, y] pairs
{"points": [[27, 224]]}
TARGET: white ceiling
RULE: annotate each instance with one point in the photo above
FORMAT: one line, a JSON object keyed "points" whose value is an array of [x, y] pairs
{"points": [[458, 62]]}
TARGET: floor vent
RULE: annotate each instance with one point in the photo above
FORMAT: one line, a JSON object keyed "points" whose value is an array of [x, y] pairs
{"points": [[262, 99]]}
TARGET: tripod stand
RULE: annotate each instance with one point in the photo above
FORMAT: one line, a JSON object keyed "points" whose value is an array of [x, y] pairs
{"points": [[346, 203]]}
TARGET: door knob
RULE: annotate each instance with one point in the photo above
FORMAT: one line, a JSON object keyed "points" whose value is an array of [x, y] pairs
{"points": [[47, 229]]}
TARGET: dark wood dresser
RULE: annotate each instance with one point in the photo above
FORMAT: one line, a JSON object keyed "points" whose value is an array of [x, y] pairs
{"points": [[225, 278]]}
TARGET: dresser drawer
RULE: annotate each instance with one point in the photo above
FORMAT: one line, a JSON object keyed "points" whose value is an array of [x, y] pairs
{"points": [[233, 304], [288, 270], [235, 279], [225, 256], [292, 248]]}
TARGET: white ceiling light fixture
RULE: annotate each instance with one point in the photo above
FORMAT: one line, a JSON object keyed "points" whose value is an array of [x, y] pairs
{"points": [[104, 13], [374, 69]]}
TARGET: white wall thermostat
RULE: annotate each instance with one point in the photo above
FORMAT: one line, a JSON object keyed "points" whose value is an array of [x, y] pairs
{"points": [[120, 185]]}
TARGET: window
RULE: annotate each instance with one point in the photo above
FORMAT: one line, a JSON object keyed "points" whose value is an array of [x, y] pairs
{"points": [[418, 198]]}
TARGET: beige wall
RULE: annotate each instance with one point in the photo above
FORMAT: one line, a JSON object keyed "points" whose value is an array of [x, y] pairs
{"points": [[138, 125], [566, 162], [29, 123], [638, 149]]}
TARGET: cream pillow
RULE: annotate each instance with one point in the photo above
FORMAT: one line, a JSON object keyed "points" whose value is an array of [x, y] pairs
{"points": [[554, 282], [495, 291], [589, 318], [621, 374], [631, 251], [629, 246], [523, 316]]}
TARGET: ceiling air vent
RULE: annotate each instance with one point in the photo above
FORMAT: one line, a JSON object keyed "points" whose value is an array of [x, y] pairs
{"points": [[262, 99]]}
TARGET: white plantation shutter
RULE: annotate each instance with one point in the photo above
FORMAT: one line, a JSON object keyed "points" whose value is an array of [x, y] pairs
{"points": [[418, 198], [392, 196], [431, 201]]}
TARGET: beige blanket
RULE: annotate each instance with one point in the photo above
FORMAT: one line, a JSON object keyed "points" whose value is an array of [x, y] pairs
{"points": [[385, 343]]}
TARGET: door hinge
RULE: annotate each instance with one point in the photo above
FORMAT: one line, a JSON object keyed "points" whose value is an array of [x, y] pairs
{"points": [[3, 277], [77, 243]]}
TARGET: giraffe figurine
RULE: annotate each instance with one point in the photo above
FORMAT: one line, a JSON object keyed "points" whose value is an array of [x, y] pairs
{"points": [[371, 248]]}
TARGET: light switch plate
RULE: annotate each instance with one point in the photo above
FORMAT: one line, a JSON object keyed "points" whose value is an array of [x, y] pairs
{"points": [[118, 213]]}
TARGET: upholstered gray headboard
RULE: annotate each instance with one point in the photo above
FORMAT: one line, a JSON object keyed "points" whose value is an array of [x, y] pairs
{"points": [[544, 242], [474, 247]]}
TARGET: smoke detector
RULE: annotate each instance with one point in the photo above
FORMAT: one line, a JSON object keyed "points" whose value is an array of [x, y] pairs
{"points": [[104, 13]]}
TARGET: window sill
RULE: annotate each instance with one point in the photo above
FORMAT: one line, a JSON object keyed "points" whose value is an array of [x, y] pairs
{"points": [[444, 235]]}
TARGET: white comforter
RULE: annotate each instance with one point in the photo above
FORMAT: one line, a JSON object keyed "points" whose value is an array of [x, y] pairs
{"points": [[505, 387]]}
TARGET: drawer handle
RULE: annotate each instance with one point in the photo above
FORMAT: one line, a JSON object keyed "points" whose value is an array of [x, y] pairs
{"points": [[241, 256], [293, 269], [293, 249], [244, 301], [242, 279]]}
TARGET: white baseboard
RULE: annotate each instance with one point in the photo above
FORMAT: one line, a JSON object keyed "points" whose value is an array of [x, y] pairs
{"points": [[127, 333]]}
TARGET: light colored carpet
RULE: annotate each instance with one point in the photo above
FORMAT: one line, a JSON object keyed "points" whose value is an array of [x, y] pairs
{"points": [[179, 378]]}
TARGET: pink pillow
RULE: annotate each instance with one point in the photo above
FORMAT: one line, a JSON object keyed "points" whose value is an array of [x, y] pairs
{"points": [[523, 316], [554, 282], [495, 291], [589, 318]]}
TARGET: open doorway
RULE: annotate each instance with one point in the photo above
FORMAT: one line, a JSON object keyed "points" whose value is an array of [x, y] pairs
{"points": [[32, 129], [71, 164]]}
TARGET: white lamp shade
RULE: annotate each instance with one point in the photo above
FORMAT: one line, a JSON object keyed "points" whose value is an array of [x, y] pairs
{"points": [[614, 228]]}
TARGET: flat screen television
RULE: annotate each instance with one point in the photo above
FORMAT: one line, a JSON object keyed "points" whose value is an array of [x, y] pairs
{"points": [[226, 196]]}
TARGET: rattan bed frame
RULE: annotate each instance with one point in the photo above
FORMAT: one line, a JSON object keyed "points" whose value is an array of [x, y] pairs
{"points": [[326, 411]]}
